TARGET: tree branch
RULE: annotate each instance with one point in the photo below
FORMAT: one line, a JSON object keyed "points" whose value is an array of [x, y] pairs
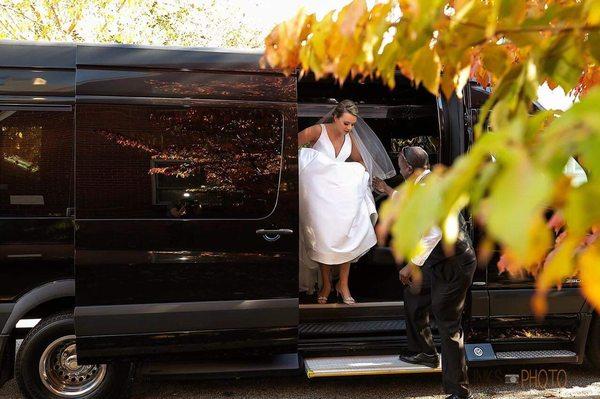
{"points": [[12, 31], [585, 28], [15, 26], [39, 19], [19, 11], [55, 16]]}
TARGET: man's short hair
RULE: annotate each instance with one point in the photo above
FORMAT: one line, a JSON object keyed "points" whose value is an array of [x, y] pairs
{"points": [[416, 157]]}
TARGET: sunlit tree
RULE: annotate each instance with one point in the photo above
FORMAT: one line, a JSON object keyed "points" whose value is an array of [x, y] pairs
{"points": [[208, 23]]}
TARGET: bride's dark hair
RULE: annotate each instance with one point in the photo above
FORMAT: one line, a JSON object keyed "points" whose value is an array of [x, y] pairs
{"points": [[345, 106]]}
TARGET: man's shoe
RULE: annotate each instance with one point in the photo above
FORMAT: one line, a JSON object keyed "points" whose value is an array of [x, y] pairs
{"points": [[455, 396], [432, 361]]}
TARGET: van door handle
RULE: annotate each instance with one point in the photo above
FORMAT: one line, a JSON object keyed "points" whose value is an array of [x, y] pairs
{"points": [[282, 232], [273, 234]]}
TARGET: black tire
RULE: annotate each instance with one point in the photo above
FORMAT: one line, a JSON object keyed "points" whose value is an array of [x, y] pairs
{"points": [[593, 345], [115, 381]]}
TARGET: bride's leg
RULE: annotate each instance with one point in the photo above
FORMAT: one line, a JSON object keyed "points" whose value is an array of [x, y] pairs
{"points": [[326, 278], [342, 285]]}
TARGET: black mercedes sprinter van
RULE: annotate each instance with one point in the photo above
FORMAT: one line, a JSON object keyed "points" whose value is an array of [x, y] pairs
{"points": [[149, 224]]}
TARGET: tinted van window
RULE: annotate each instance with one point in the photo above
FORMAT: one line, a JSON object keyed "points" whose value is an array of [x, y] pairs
{"points": [[137, 161], [36, 169]]}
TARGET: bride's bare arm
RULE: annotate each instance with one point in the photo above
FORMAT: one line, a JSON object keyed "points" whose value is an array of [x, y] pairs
{"points": [[309, 135], [355, 153]]}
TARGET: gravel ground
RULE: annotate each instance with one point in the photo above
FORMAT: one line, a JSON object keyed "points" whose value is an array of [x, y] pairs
{"points": [[571, 382]]}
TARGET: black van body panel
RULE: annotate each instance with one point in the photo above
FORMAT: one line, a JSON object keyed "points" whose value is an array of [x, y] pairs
{"points": [[206, 282], [37, 82], [37, 55], [178, 84], [36, 251], [183, 58]]}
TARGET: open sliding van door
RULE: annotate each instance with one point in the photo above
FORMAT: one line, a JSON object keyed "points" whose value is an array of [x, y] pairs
{"points": [[186, 206], [457, 118]]}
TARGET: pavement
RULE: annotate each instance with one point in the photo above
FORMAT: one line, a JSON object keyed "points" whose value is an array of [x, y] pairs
{"points": [[555, 381]]}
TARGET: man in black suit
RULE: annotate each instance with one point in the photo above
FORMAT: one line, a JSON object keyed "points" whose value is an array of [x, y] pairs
{"points": [[442, 290]]}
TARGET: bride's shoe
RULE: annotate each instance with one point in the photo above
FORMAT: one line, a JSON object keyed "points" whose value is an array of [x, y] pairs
{"points": [[348, 300], [323, 299]]}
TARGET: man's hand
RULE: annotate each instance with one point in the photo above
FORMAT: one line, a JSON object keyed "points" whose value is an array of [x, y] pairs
{"points": [[406, 274], [381, 186], [412, 276]]}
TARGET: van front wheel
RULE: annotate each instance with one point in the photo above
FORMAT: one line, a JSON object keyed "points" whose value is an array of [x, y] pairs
{"points": [[46, 366]]}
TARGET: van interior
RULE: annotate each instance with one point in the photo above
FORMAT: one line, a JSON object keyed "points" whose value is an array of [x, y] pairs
{"points": [[401, 116]]}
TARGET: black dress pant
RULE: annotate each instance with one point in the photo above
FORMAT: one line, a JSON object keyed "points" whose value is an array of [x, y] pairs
{"points": [[443, 293]]}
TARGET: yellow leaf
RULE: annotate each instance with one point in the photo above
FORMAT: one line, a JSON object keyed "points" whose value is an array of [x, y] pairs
{"points": [[492, 19], [589, 273], [349, 16], [386, 66], [559, 264], [451, 226], [517, 200], [593, 9], [461, 80], [427, 69], [539, 303]]}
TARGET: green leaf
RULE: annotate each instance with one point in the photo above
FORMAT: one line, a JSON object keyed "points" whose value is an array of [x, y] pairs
{"points": [[518, 197], [593, 45], [576, 132], [561, 61], [419, 204]]}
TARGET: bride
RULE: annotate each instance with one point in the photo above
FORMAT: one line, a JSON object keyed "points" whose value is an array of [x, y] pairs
{"points": [[337, 210]]}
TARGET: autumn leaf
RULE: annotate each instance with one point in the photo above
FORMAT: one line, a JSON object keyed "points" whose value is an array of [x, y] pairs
{"points": [[427, 68], [495, 59], [589, 273]]}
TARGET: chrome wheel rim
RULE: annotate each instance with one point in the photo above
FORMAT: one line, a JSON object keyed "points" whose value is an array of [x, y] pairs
{"points": [[62, 375]]}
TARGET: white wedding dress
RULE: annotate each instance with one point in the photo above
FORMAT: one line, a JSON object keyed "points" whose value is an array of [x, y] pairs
{"points": [[337, 210]]}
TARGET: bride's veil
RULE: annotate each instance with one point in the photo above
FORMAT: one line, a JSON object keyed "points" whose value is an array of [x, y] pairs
{"points": [[376, 159]]}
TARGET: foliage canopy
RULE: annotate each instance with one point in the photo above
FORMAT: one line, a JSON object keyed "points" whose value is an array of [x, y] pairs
{"points": [[513, 174]]}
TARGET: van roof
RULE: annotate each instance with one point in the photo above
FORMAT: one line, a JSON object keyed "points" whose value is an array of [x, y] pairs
{"points": [[23, 54]]}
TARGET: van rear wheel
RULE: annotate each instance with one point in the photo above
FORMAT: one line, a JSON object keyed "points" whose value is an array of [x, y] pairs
{"points": [[46, 366]]}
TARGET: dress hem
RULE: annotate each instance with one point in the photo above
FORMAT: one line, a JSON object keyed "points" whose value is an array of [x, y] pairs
{"points": [[337, 258]]}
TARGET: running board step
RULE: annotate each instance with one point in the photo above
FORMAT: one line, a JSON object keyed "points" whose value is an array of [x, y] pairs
{"points": [[361, 365], [484, 354], [353, 328], [539, 354]]}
